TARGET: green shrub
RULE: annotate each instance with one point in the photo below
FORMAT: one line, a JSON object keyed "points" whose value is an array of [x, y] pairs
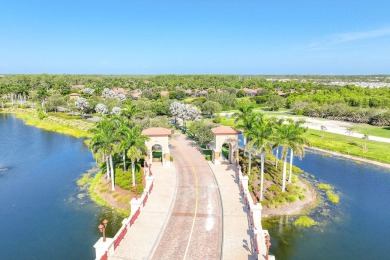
{"points": [[274, 187], [268, 196], [140, 188], [334, 198], [268, 177], [250, 188], [171, 158], [323, 186], [301, 197], [41, 114], [304, 221], [291, 198], [207, 157]]}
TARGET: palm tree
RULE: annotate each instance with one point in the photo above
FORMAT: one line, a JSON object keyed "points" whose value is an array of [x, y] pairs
{"points": [[289, 136], [104, 141], [130, 111], [134, 154], [259, 137], [136, 146], [297, 143], [244, 120], [122, 136]]}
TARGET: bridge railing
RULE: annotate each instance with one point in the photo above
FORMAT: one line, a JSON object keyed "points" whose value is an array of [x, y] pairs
{"points": [[254, 217], [105, 249]]}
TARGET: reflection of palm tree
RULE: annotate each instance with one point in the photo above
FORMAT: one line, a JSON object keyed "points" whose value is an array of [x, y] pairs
{"points": [[259, 137], [104, 141]]}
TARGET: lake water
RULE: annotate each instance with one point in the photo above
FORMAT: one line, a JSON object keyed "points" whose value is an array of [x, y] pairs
{"points": [[40, 212], [356, 228]]}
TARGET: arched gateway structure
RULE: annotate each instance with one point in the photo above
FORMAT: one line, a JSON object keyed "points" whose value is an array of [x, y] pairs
{"points": [[158, 136], [225, 135]]}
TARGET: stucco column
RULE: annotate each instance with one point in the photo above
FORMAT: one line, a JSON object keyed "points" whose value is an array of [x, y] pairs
{"points": [[216, 156], [256, 211], [134, 205], [166, 157], [102, 247]]}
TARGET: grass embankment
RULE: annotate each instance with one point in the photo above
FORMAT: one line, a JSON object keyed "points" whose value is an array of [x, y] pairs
{"points": [[91, 182], [367, 149], [381, 131], [53, 122]]}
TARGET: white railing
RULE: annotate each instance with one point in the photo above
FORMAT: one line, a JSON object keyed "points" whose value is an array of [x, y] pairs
{"points": [[259, 235]]}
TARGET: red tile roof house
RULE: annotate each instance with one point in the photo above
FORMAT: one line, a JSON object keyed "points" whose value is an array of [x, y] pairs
{"points": [[250, 92], [120, 91]]}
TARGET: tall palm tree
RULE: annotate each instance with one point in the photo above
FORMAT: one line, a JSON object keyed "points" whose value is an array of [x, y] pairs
{"points": [[244, 119], [297, 144], [122, 136], [136, 146], [259, 137], [104, 141], [134, 153], [289, 136]]}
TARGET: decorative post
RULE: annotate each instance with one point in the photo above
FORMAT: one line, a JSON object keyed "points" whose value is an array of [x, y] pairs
{"points": [[102, 228], [267, 245]]}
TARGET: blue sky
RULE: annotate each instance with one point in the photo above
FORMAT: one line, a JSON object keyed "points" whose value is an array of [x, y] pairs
{"points": [[195, 37]]}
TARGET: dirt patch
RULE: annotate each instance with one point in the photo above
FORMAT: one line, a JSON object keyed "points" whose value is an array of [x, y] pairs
{"points": [[120, 198], [295, 207]]}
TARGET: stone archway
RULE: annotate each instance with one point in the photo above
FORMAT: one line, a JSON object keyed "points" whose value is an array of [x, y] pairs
{"points": [[225, 135], [158, 136]]}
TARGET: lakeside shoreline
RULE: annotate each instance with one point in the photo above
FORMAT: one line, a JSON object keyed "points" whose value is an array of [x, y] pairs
{"points": [[351, 157]]}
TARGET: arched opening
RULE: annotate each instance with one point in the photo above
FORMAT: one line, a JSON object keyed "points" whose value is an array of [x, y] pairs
{"points": [[157, 153], [228, 152]]}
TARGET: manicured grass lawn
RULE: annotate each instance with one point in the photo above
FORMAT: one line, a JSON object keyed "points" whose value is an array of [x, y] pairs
{"points": [[376, 151], [382, 131]]}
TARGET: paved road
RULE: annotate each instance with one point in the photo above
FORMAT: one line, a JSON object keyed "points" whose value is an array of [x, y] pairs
{"points": [[194, 229]]}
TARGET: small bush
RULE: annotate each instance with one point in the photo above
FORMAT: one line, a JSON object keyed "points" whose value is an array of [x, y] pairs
{"points": [[41, 114], [268, 177], [250, 188], [139, 188], [291, 198], [304, 221], [207, 157], [274, 187], [334, 198], [302, 197], [171, 158]]}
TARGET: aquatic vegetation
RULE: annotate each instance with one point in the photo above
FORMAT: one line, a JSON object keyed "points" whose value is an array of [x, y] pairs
{"points": [[333, 197], [304, 221], [324, 186]]}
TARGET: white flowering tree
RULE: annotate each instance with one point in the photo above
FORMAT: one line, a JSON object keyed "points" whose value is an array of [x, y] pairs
{"points": [[101, 109], [116, 111], [108, 93], [88, 91], [185, 112], [175, 108], [82, 104], [121, 97]]}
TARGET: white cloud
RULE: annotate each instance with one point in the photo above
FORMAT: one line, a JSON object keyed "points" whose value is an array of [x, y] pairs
{"points": [[336, 39]]}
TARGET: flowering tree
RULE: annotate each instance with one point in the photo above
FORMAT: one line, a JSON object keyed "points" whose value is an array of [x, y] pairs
{"points": [[108, 93], [101, 109], [81, 104], [175, 108], [88, 91], [121, 97], [185, 112], [116, 111]]}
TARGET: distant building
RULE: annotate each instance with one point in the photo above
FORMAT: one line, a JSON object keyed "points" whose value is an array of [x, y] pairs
{"points": [[120, 91]]}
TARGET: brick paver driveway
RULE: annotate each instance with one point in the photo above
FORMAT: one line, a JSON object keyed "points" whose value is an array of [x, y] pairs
{"points": [[194, 229]]}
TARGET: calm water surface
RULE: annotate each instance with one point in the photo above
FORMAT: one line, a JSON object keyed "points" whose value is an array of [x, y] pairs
{"points": [[40, 212], [357, 228]]}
